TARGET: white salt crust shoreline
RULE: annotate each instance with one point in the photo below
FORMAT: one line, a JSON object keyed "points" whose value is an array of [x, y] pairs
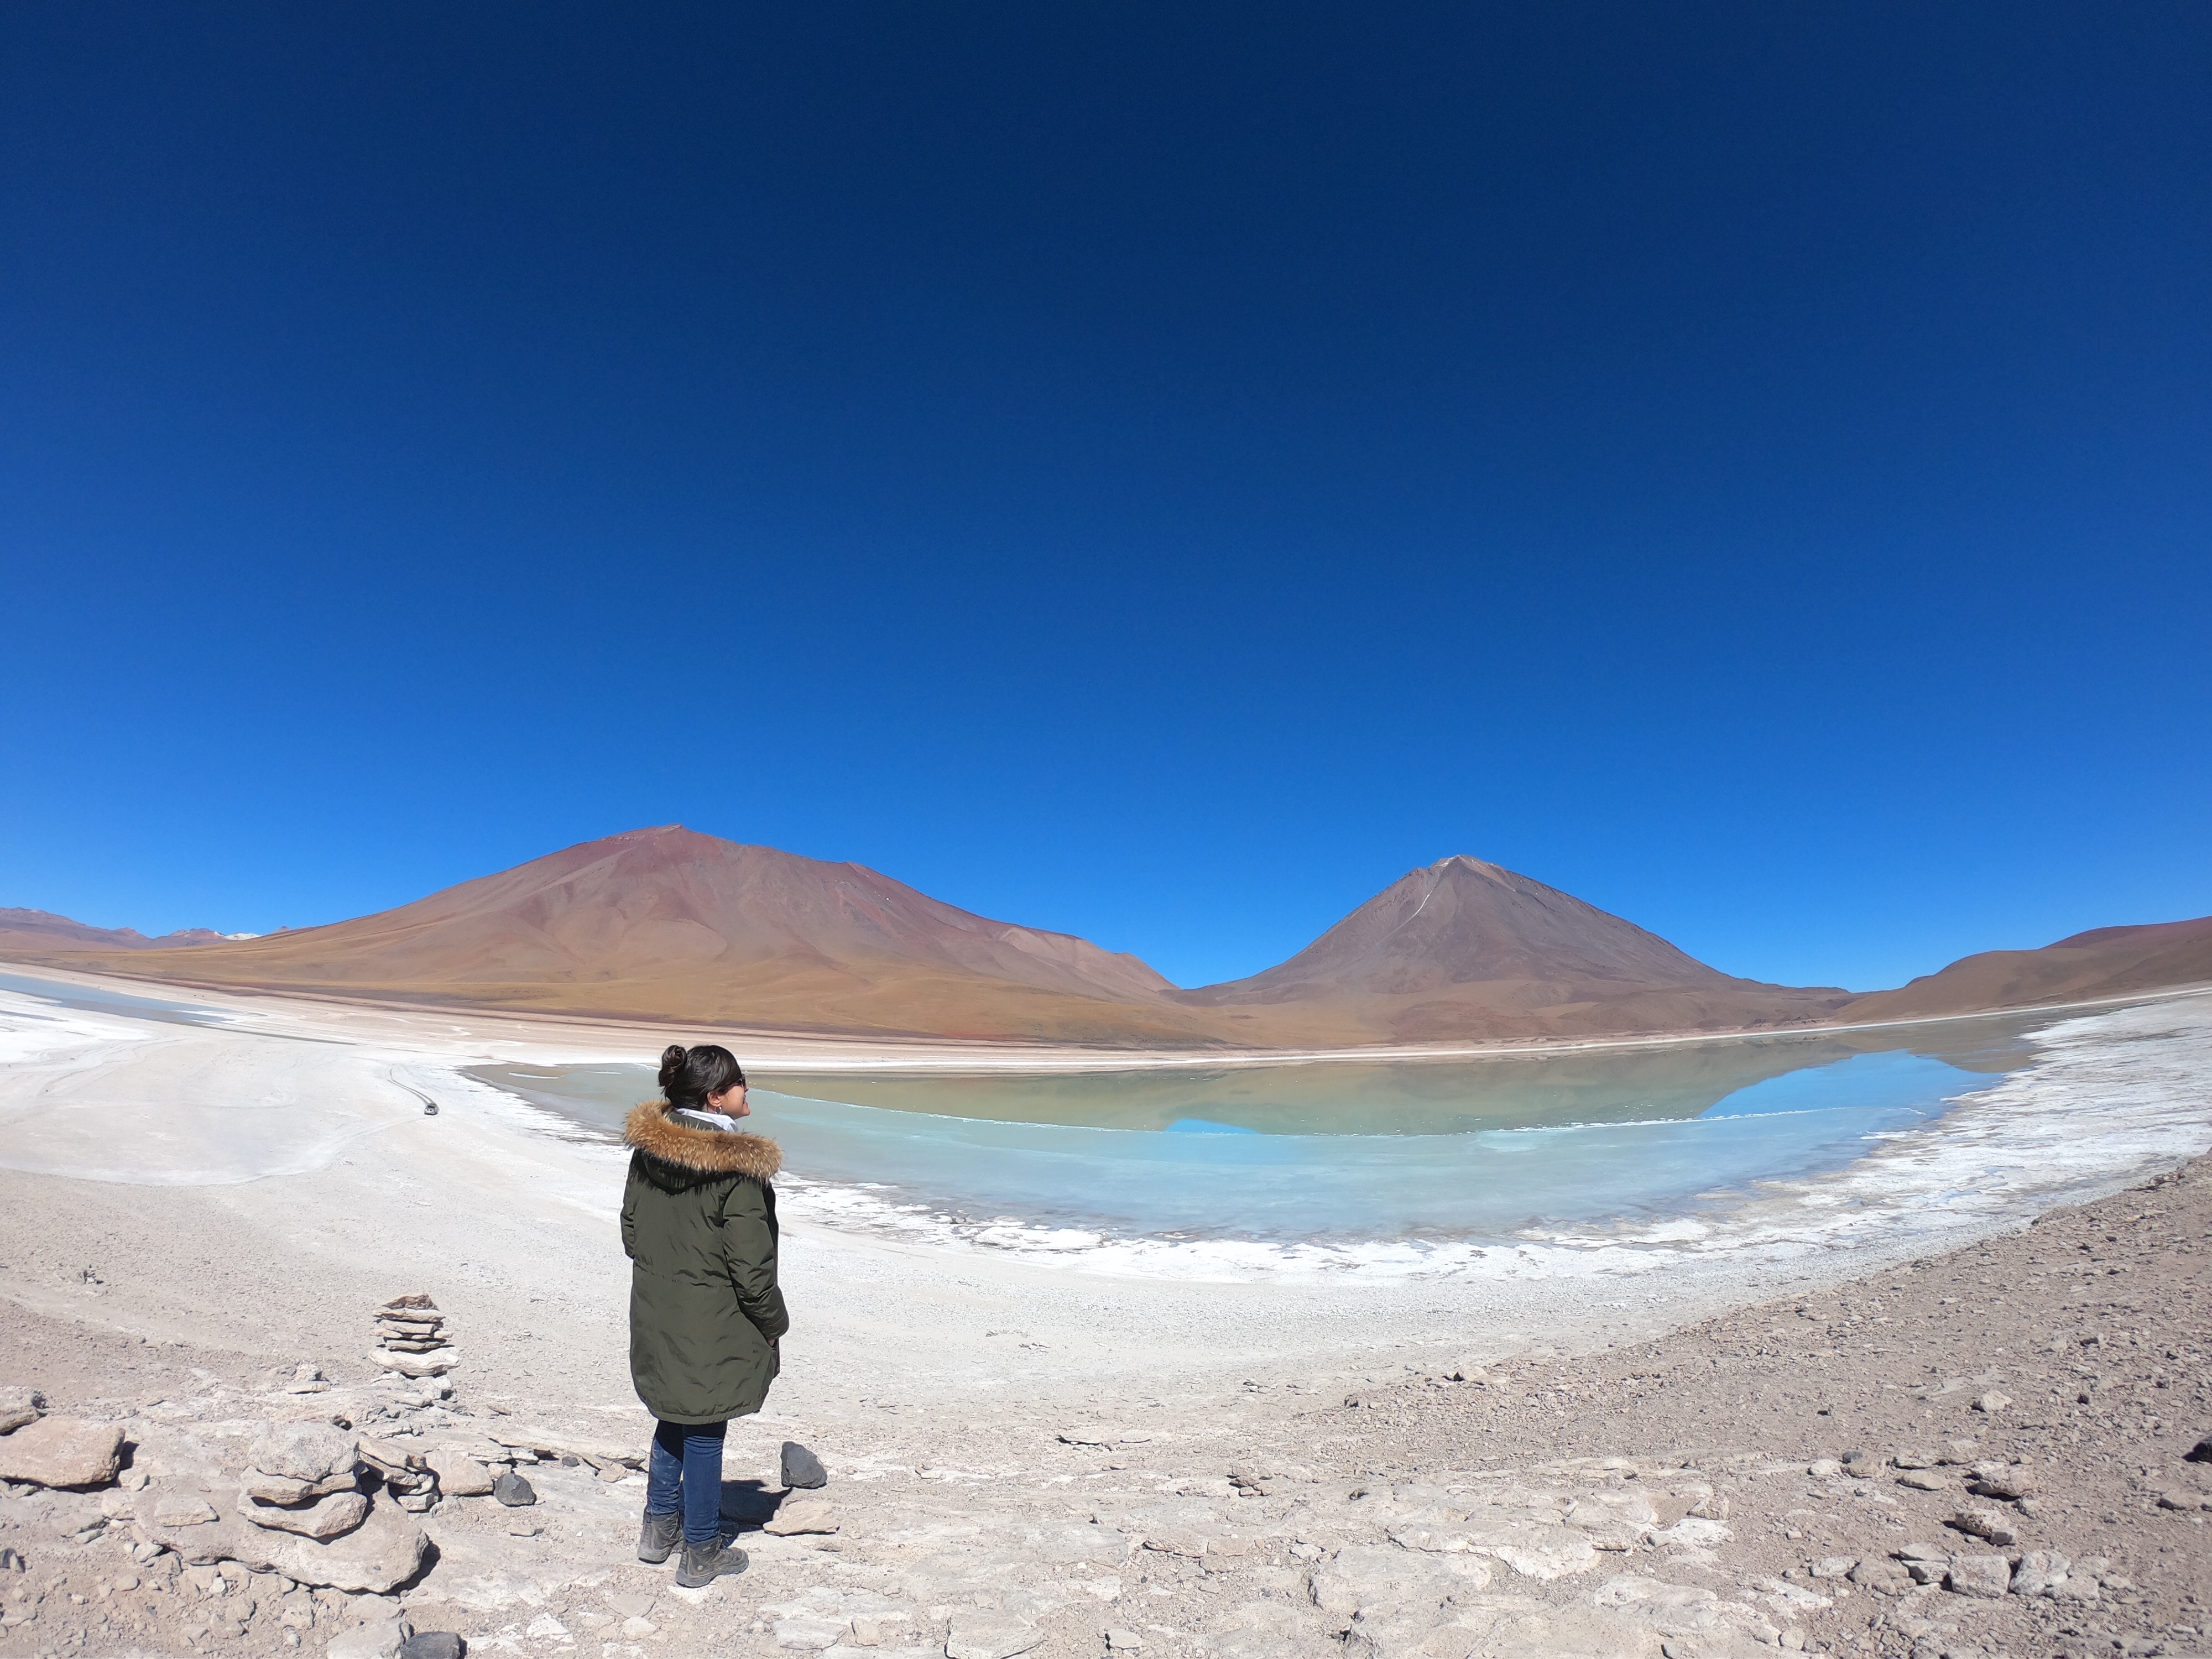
{"points": [[2108, 1097], [272, 1164]]}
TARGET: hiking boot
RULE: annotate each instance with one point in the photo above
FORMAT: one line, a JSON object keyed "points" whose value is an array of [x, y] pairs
{"points": [[657, 1536], [702, 1563]]}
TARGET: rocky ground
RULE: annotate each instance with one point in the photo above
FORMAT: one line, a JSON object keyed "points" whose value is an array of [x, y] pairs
{"points": [[1982, 1454]]}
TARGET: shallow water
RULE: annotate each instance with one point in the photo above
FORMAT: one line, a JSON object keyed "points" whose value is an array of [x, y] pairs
{"points": [[1357, 1151], [93, 999]]}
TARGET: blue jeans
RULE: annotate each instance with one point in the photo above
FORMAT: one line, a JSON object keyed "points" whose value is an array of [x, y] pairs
{"points": [[685, 1472]]}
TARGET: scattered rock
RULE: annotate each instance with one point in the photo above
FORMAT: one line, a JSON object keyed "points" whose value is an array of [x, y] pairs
{"points": [[434, 1645], [310, 1453], [1101, 1436], [1823, 1467], [795, 1516], [1467, 1371], [801, 1467], [1913, 1458], [982, 1633], [1986, 1575], [62, 1451], [512, 1490], [1925, 1563], [1885, 1577], [461, 1475], [1832, 1566], [2040, 1572], [1923, 1480], [1991, 1524], [174, 1510], [2199, 1453], [19, 1407], [380, 1639], [1123, 1641], [2009, 1481], [1992, 1402], [326, 1517]]}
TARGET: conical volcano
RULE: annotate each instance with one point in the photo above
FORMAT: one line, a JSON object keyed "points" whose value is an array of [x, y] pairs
{"points": [[1467, 948]]}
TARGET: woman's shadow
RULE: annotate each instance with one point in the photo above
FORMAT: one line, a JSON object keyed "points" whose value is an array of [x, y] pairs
{"points": [[748, 1505]]}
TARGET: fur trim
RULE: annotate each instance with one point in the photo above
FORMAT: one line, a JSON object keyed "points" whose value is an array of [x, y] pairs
{"points": [[712, 1152]]}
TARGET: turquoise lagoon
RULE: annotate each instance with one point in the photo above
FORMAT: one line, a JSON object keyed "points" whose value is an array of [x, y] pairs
{"points": [[1340, 1152]]}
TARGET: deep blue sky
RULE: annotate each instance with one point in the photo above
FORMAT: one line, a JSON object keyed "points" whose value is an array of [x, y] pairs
{"points": [[1160, 472]]}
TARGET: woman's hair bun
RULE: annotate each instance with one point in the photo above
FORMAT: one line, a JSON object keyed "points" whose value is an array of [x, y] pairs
{"points": [[689, 1076], [672, 1064]]}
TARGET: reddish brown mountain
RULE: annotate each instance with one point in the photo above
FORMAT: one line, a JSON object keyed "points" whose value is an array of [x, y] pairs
{"points": [[38, 929], [669, 923], [2105, 962], [1466, 949]]}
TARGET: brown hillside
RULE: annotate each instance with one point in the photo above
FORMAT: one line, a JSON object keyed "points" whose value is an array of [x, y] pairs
{"points": [[2105, 962], [671, 924]]}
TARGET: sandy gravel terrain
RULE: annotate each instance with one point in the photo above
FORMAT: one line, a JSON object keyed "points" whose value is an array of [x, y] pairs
{"points": [[1027, 1458]]}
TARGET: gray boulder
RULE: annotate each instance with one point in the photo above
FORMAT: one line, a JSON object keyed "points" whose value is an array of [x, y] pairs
{"points": [[310, 1453], [1985, 1576], [801, 1467], [62, 1451], [512, 1490], [19, 1407], [2040, 1572]]}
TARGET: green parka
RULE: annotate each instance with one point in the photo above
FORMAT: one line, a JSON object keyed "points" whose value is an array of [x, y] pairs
{"points": [[698, 1222]]}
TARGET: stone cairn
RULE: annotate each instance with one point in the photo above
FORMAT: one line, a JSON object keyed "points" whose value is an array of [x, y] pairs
{"points": [[305, 1479], [408, 1476], [411, 1342]]}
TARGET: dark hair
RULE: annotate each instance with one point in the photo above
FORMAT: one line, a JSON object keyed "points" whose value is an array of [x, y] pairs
{"points": [[688, 1076]]}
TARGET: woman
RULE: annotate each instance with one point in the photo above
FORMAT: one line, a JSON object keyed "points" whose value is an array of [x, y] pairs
{"points": [[698, 1221]]}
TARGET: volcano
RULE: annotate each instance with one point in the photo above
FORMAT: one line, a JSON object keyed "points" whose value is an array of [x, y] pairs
{"points": [[1464, 948]]}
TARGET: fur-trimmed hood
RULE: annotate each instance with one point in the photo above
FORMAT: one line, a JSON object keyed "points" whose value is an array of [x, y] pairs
{"points": [[698, 1152]]}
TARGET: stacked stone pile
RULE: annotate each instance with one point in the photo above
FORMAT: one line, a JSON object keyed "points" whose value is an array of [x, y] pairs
{"points": [[408, 1476], [411, 1337], [305, 1479], [411, 1346]]}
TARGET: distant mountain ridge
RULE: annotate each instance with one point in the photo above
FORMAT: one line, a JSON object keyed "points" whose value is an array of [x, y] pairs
{"points": [[2104, 962], [669, 925], [36, 926]]}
